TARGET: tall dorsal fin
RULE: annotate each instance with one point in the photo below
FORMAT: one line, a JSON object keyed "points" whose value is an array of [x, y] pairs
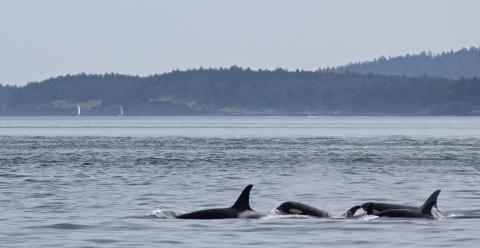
{"points": [[426, 208], [243, 201]]}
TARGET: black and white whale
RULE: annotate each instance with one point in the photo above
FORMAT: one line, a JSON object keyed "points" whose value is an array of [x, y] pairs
{"points": [[298, 208], [241, 209], [403, 211]]}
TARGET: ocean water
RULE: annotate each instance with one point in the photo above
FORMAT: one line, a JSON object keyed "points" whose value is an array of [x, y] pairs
{"points": [[118, 181]]}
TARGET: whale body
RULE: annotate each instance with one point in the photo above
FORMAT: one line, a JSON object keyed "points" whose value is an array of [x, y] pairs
{"points": [[240, 209], [403, 211], [298, 208], [373, 208]]}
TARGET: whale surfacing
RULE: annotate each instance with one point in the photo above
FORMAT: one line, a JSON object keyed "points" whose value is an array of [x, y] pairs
{"points": [[240, 209], [298, 208], [374, 208], [401, 211]]}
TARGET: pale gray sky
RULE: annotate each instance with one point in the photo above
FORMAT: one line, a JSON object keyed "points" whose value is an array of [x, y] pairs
{"points": [[41, 39]]}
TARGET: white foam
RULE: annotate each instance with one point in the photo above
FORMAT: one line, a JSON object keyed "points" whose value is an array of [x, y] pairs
{"points": [[368, 217], [163, 214], [454, 215], [275, 214]]}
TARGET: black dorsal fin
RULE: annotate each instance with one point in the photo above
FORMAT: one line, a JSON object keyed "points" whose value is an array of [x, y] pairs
{"points": [[243, 201], [431, 202]]}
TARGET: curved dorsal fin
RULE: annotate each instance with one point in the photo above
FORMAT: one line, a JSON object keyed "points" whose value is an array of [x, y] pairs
{"points": [[243, 201], [426, 208]]}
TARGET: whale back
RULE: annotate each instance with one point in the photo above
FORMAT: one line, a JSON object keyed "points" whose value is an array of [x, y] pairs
{"points": [[215, 213], [403, 213], [376, 207], [425, 211], [298, 208]]}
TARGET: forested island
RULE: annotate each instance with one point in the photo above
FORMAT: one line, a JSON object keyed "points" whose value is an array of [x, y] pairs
{"points": [[237, 91], [243, 91], [463, 63]]}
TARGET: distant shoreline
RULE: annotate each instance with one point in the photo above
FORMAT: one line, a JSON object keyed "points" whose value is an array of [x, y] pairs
{"points": [[446, 84]]}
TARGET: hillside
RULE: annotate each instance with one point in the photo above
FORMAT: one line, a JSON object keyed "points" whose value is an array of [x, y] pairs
{"points": [[237, 91], [464, 63]]}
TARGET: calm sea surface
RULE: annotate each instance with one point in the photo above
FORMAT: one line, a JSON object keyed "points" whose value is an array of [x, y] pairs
{"points": [[116, 182]]}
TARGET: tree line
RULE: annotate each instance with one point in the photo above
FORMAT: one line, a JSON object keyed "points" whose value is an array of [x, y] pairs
{"points": [[239, 91], [464, 63]]}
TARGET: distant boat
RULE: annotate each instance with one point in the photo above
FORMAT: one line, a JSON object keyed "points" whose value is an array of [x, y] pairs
{"points": [[79, 110], [122, 113]]}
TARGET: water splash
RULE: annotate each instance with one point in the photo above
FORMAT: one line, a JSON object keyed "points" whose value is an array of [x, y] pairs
{"points": [[164, 214]]}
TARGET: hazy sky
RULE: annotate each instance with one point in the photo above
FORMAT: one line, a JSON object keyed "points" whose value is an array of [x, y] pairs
{"points": [[41, 39]]}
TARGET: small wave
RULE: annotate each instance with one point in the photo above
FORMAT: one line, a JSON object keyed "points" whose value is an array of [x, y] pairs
{"points": [[285, 216], [465, 215], [102, 241], [41, 195], [12, 175], [275, 214], [31, 180], [140, 217], [367, 160], [69, 226]]}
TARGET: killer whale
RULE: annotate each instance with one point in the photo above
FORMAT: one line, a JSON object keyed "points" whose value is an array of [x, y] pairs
{"points": [[298, 208], [240, 209], [403, 211], [373, 208]]}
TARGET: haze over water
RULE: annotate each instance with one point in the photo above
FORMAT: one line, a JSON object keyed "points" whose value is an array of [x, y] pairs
{"points": [[116, 181]]}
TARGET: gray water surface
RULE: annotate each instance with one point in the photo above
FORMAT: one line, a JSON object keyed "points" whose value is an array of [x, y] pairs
{"points": [[115, 182]]}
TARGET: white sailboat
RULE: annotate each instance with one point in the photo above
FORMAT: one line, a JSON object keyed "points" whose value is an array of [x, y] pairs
{"points": [[79, 110], [122, 113]]}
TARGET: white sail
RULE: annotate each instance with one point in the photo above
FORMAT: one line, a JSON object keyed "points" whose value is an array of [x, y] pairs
{"points": [[122, 113], [79, 110]]}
